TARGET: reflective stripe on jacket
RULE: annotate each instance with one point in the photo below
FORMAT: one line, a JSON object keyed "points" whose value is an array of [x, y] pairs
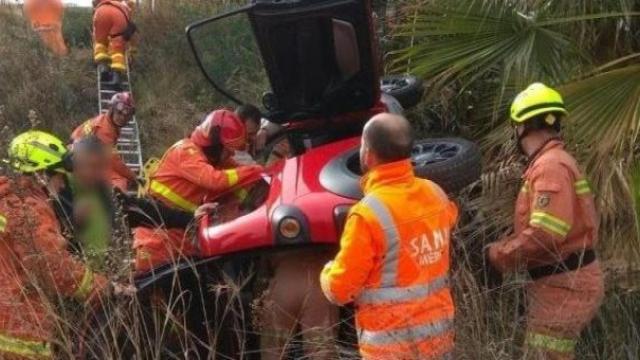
{"points": [[184, 177], [16, 348], [36, 267], [394, 264], [555, 214]]}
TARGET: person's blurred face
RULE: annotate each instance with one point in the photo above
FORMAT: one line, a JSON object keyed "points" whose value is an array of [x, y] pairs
{"points": [[91, 169]]}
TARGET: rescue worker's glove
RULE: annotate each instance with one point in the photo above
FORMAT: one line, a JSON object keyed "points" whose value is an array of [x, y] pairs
{"points": [[205, 209]]}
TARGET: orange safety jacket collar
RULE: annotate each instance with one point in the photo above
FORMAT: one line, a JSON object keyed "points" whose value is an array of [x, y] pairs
{"points": [[390, 173]]}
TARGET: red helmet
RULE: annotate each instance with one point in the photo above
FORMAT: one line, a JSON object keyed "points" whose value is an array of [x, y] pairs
{"points": [[230, 129], [123, 103]]}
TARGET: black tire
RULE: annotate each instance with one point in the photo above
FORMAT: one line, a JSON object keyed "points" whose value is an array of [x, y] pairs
{"points": [[452, 163], [407, 89]]}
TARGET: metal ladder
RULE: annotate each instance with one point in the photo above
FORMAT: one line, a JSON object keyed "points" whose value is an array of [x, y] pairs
{"points": [[128, 145]]}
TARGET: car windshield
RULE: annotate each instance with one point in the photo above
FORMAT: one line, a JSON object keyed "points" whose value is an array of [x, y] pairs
{"points": [[298, 61], [229, 55]]}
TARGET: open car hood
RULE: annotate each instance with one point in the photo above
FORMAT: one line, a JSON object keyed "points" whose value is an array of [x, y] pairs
{"points": [[319, 56]]}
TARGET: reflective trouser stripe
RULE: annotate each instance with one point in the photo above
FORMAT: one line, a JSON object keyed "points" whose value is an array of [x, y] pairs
{"points": [[86, 284], [100, 52], [166, 192], [232, 176], [547, 342], [24, 348], [3, 223], [582, 187], [392, 239], [117, 61], [410, 334], [550, 223], [402, 294]]}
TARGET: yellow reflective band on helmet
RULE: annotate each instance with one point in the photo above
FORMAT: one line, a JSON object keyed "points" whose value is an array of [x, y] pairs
{"points": [[25, 348], [552, 343], [3, 223], [582, 187], [549, 222], [166, 192], [232, 176], [86, 284]]}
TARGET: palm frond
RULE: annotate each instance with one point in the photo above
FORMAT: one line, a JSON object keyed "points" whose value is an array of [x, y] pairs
{"points": [[605, 112], [470, 41]]}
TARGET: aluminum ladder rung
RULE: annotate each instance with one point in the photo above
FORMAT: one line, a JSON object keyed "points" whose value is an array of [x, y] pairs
{"points": [[128, 145]]}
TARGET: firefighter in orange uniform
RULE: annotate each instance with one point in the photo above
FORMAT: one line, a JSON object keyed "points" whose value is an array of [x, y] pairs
{"points": [[112, 31], [555, 230], [106, 127], [193, 170], [34, 260], [46, 20], [393, 261]]}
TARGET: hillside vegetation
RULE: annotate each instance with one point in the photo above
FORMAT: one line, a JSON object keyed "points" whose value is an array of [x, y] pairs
{"points": [[37, 89]]}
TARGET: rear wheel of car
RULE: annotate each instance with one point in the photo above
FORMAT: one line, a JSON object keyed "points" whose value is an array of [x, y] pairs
{"points": [[407, 89], [452, 163]]}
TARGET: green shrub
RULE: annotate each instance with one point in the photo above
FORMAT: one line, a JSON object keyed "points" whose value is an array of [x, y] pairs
{"points": [[77, 26]]}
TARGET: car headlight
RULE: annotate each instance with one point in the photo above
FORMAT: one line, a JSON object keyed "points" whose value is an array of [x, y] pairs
{"points": [[290, 227]]}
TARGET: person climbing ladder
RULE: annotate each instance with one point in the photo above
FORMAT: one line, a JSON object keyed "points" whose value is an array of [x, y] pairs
{"points": [[112, 31]]}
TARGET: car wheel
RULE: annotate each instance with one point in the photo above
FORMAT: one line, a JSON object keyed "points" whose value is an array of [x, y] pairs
{"points": [[407, 89], [452, 163]]}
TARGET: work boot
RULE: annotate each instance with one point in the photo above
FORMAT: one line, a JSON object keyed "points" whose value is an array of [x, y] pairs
{"points": [[104, 71], [115, 81]]}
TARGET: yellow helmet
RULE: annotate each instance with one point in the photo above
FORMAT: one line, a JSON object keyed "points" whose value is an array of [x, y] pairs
{"points": [[535, 100], [35, 150]]}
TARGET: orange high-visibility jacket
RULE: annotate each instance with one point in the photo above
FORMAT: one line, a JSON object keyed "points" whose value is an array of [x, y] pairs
{"points": [[555, 220], [393, 264], [555, 214], [35, 265], [103, 128], [184, 179], [46, 19]]}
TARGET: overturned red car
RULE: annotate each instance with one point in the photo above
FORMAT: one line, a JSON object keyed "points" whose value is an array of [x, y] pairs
{"points": [[316, 70]]}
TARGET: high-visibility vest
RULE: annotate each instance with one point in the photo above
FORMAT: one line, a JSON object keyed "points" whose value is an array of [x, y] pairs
{"points": [[393, 264], [431, 336]]}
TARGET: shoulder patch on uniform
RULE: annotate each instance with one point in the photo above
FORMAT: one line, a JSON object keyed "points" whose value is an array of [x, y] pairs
{"points": [[543, 200]]}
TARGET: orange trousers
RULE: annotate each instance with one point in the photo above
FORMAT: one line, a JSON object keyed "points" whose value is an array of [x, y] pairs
{"points": [[559, 307]]}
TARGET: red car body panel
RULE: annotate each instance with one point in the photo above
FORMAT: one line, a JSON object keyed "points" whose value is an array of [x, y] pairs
{"points": [[294, 182]]}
